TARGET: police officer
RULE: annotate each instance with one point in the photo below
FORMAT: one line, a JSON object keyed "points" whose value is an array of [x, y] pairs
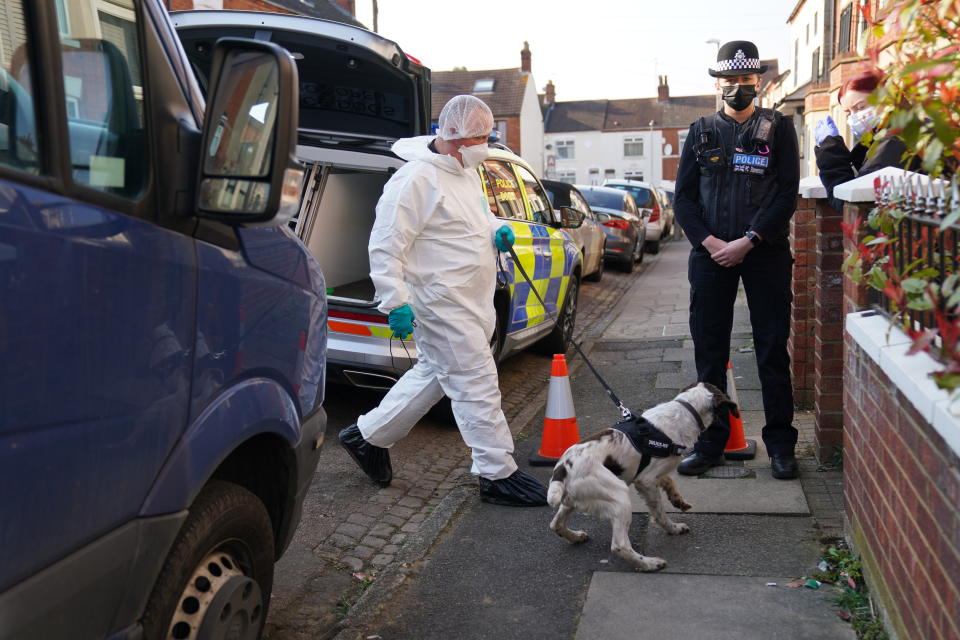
{"points": [[736, 190]]}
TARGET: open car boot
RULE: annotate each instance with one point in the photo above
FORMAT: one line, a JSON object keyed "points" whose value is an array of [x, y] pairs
{"points": [[516, 490], [374, 461]]}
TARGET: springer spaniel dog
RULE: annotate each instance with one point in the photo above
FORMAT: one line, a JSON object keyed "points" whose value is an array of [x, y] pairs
{"points": [[593, 476]]}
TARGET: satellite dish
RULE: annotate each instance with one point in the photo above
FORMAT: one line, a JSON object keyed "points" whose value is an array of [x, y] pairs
{"points": [[668, 149]]}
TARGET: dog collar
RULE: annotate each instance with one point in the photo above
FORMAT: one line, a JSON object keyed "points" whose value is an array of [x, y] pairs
{"points": [[689, 407]]}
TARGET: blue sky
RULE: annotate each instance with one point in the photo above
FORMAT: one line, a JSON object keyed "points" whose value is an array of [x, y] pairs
{"points": [[594, 49]]}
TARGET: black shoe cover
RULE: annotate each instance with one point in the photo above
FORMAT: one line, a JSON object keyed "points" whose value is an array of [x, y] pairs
{"points": [[374, 461], [516, 490]]}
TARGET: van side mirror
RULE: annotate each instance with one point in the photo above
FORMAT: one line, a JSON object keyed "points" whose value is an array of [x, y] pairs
{"points": [[571, 218], [249, 173]]}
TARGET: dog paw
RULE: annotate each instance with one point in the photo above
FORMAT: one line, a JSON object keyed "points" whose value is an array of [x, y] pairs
{"points": [[679, 528], [682, 505], [576, 537], [653, 564]]}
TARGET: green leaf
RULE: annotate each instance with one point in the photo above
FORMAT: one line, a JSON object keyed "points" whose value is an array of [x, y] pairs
{"points": [[878, 241], [914, 285], [878, 279], [933, 156], [949, 284], [920, 304], [950, 219]]}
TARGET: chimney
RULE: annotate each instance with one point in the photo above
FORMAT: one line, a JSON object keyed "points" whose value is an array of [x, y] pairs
{"points": [[549, 94], [347, 5], [663, 90], [525, 57]]}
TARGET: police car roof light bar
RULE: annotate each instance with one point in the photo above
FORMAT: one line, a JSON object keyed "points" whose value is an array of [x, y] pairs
{"points": [[624, 411]]}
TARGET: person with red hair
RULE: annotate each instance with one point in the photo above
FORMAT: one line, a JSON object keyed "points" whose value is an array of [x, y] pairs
{"points": [[837, 163]]}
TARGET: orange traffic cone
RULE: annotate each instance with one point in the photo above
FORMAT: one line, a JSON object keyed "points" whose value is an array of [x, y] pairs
{"points": [[560, 422], [738, 447]]}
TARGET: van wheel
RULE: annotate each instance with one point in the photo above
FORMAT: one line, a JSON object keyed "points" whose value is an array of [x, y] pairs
{"points": [[217, 580], [558, 340]]}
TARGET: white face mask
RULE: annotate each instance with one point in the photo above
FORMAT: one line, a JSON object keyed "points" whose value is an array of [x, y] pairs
{"points": [[862, 121], [474, 155]]}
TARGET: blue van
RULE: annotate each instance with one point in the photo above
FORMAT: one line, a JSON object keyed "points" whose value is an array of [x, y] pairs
{"points": [[162, 331]]}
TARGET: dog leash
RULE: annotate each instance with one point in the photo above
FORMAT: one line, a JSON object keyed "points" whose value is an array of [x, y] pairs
{"points": [[624, 411]]}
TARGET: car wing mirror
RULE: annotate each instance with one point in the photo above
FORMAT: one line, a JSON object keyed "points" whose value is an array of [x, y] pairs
{"points": [[571, 218], [248, 170]]}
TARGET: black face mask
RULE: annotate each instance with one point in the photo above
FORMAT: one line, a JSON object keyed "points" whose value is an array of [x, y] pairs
{"points": [[739, 96]]}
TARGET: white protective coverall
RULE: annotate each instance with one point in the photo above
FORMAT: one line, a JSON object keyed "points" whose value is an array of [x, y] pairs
{"points": [[432, 247]]}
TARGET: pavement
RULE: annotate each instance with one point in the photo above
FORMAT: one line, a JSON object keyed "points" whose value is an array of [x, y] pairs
{"points": [[474, 570]]}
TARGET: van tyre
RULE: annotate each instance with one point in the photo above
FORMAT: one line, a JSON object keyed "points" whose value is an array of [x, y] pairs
{"points": [[218, 575], [558, 340]]}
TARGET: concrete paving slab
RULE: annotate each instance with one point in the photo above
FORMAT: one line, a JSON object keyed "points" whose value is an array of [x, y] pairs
{"points": [[763, 494], [737, 545], [633, 606]]}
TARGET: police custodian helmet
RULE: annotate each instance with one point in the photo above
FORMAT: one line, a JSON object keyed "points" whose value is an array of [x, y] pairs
{"points": [[737, 58]]}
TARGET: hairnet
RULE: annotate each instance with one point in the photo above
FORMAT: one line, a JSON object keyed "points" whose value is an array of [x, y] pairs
{"points": [[464, 116]]}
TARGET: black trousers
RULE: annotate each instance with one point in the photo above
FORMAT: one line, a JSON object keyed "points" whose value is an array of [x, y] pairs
{"points": [[766, 272]]}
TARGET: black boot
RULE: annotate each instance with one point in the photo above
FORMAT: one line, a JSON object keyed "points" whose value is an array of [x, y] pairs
{"points": [[784, 467], [374, 461], [697, 463], [516, 490]]}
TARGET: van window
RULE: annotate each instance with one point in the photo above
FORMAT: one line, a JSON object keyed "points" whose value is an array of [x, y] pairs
{"points": [[18, 127], [539, 203], [506, 188], [99, 48]]}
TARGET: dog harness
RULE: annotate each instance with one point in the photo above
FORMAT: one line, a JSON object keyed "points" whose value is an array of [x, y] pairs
{"points": [[651, 442]]}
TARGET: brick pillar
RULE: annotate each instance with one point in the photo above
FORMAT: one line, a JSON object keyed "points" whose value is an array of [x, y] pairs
{"points": [[855, 296], [828, 331], [803, 232]]}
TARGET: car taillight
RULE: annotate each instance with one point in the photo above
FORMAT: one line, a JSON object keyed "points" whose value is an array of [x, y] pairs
{"points": [[617, 224], [359, 317], [414, 59], [655, 213]]}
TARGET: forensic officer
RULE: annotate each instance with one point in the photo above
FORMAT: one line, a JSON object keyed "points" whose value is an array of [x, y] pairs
{"points": [[736, 191]]}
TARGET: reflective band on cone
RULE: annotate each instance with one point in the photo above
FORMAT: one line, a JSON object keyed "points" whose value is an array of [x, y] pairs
{"points": [[560, 423], [738, 447]]}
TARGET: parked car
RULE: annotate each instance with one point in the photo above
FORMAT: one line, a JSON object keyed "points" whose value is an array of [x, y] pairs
{"points": [[660, 218], [162, 332], [590, 236], [359, 94], [622, 222]]}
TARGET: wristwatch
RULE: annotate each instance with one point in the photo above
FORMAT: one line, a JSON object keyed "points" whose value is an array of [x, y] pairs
{"points": [[752, 237]]}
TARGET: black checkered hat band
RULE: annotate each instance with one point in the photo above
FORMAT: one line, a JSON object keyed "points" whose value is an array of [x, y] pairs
{"points": [[738, 63]]}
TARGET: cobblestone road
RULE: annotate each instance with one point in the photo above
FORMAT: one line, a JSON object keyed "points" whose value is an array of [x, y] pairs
{"points": [[351, 530]]}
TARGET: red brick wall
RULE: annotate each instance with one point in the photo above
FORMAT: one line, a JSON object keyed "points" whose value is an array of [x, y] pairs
{"points": [[803, 231], [902, 495], [239, 5], [670, 165], [828, 332], [855, 296], [513, 133]]}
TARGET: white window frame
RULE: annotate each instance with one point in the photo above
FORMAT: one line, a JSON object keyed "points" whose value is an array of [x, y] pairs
{"points": [[634, 140], [569, 145], [633, 174], [124, 13], [488, 85], [567, 175]]}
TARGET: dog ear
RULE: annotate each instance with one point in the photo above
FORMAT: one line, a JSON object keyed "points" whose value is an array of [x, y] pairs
{"points": [[731, 406], [688, 387]]}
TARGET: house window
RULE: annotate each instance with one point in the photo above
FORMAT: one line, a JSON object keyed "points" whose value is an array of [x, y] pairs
{"points": [[502, 130], [594, 177], [796, 58], [633, 146], [609, 174], [633, 175], [808, 35], [816, 18], [484, 85], [565, 149], [846, 16], [815, 66], [567, 175], [681, 140], [63, 19]]}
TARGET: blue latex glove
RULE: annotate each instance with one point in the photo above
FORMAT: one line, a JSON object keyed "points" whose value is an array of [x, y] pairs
{"points": [[504, 238], [401, 321], [824, 129]]}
